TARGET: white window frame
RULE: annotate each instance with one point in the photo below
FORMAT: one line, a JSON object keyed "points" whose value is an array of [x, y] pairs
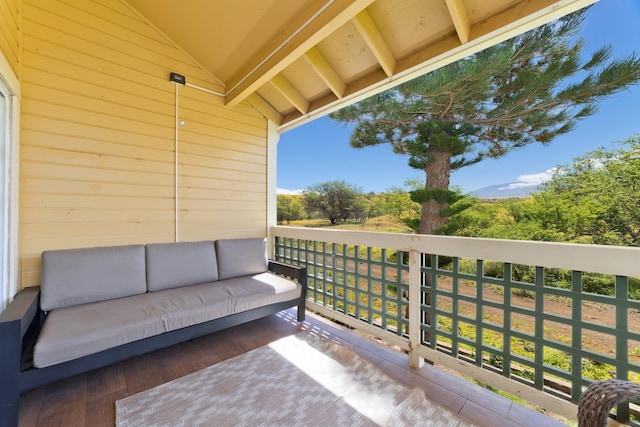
{"points": [[9, 264]]}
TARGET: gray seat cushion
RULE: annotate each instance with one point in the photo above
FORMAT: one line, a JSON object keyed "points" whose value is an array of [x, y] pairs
{"points": [[241, 257], [172, 265], [80, 276], [73, 332]]}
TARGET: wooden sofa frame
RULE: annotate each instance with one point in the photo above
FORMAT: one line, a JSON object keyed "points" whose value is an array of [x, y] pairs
{"points": [[22, 320]]}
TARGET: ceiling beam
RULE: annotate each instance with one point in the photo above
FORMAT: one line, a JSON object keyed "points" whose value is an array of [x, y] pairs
{"points": [[326, 72], [460, 19], [318, 21], [264, 108], [516, 20], [375, 41], [291, 93]]}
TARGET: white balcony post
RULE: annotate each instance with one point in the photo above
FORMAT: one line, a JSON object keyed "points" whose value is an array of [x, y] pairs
{"points": [[273, 137], [415, 300]]}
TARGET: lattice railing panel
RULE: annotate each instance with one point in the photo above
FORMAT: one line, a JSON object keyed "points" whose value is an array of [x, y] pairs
{"points": [[367, 283]]}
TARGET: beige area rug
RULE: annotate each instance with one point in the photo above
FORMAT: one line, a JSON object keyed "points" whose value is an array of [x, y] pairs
{"points": [[301, 380]]}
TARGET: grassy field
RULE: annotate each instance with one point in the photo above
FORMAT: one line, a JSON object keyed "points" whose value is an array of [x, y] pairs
{"points": [[386, 224]]}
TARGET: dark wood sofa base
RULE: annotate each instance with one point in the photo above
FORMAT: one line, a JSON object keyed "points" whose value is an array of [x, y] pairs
{"points": [[21, 322]]}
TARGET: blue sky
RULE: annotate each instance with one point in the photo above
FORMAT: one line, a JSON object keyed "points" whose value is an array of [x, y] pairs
{"points": [[319, 151]]}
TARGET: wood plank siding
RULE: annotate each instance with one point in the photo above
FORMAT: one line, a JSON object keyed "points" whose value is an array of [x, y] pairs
{"points": [[98, 125], [11, 32]]}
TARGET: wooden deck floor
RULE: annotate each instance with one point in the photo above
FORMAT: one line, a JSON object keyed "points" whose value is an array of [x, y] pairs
{"points": [[88, 399]]}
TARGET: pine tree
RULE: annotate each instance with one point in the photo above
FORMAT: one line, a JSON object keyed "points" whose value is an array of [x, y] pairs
{"points": [[526, 90]]}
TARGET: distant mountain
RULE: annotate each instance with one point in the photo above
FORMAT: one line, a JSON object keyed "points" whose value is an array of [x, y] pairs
{"points": [[503, 191]]}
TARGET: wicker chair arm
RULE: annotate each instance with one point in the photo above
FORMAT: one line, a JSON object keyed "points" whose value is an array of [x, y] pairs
{"points": [[600, 397]]}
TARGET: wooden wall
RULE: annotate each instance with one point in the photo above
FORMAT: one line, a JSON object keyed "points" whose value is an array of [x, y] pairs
{"points": [[222, 179], [11, 32], [98, 135]]}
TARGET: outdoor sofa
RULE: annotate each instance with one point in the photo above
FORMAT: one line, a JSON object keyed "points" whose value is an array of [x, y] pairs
{"points": [[97, 306]]}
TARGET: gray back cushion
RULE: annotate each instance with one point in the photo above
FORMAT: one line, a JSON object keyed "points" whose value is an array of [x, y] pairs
{"points": [[173, 265], [80, 276], [241, 257]]}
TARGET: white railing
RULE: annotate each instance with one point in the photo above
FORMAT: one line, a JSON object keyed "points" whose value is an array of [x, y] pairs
{"points": [[467, 355]]}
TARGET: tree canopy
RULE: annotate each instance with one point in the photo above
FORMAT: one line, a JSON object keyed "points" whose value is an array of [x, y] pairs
{"points": [[526, 90], [289, 208], [600, 193], [595, 199], [337, 201]]}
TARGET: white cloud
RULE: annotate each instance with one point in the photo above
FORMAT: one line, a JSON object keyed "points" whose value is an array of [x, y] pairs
{"points": [[531, 180], [290, 192]]}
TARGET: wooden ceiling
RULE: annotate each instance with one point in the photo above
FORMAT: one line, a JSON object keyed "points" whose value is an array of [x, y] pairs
{"points": [[295, 60]]}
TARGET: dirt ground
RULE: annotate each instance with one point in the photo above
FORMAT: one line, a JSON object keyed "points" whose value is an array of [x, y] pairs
{"points": [[596, 313]]}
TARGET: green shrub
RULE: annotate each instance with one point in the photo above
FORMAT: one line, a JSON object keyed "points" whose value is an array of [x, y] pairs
{"points": [[595, 283], [494, 269], [557, 278], [523, 293], [557, 358], [597, 371], [392, 257], [634, 288]]}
